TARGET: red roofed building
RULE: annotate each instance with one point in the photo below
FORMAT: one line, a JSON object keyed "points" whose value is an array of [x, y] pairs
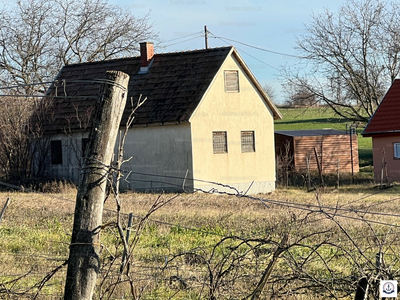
{"points": [[384, 128]]}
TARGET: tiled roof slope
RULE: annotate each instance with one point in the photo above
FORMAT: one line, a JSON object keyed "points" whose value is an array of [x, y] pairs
{"points": [[386, 118], [174, 86]]}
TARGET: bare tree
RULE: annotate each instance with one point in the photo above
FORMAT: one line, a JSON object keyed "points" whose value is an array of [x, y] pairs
{"points": [[299, 96], [14, 147], [95, 30], [350, 57], [269, 89], [38, 37]]}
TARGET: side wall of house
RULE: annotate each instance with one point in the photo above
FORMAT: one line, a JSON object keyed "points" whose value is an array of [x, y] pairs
{"points": [[233, 112], [156, 158], [71, 157], [386, 167]]}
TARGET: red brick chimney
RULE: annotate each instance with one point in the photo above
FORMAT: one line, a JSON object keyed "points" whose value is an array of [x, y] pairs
{"points": [[146, 55]]}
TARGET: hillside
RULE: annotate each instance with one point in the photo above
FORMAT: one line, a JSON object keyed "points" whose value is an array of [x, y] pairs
{"points": [[322, 118]]}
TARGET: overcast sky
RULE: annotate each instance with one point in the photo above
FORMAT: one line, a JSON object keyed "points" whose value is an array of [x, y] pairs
{"points": [[270, 25]]}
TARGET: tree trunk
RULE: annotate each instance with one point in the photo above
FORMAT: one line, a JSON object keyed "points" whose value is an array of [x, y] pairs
{"points": [[84, 257]]}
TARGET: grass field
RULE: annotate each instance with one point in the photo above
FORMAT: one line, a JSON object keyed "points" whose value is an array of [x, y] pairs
{"points": [[320, 118], [200, 246], [210, 246]]}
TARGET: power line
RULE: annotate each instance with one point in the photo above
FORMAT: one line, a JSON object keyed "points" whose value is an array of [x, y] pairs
{"points": [[49, 96], [182, 37], [256, 47], [26, 85], [258, 59], [196, 37]]}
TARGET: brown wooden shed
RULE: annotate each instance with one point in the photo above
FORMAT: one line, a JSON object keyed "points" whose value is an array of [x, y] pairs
{"points": [[331, 145]]}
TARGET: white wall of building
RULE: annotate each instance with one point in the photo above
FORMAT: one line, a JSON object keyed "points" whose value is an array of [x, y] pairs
{"points": [[156, 158]]}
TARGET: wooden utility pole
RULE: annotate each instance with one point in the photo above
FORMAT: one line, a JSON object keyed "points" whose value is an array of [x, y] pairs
{"points": [[206, 36], [84, 255]]}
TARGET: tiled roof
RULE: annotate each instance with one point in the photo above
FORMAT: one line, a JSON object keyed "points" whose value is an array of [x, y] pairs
{"points": [[386, 118], [311, 132], [174, 86]]}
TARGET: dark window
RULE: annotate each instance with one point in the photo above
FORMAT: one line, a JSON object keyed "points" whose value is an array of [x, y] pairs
{"points": [[232, 81], [248, 144], [56, 153], [85, 143], [220, 142]]}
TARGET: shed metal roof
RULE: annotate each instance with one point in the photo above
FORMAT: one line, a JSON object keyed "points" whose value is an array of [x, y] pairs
{"points": [[310, 132]]}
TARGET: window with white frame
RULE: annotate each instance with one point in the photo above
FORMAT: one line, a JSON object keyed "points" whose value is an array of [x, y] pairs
{"points": [[220, 144], [247, 141], [232, 81], [396, 147]]}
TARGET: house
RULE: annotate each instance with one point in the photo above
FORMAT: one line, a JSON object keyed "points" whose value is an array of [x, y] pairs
{"points": [[384, 129], [333, 147], [206, 120]]}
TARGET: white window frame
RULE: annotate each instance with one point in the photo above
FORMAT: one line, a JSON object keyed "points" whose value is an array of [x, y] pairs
{"points": [[396, 150]]}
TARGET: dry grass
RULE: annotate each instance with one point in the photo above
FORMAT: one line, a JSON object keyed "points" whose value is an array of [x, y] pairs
{"points": [[36, 228]]}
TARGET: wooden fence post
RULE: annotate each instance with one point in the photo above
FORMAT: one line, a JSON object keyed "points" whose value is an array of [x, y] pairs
{"points": [[260, 287], [128, 232], [308, 158], [4, 209], [84, 256], [338, 173], [319, 165]]}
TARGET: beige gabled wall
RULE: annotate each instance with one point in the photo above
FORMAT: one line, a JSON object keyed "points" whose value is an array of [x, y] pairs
{"points": [[233, 113]]}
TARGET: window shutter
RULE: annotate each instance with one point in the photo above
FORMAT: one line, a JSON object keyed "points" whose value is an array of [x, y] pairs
{"points": [[232, 81], [247, 141], [219, 142]]}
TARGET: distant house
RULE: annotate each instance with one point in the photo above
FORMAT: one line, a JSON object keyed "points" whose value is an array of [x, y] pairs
{"points": [[206, 119], [384, 128], [333, 147]]}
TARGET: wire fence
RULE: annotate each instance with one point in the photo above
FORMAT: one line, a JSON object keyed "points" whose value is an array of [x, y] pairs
{"points": [[157, 260], [211, 243]]}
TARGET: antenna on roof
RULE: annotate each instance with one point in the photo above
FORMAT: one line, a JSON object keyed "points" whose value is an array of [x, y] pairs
{"points": [[206, 36]]}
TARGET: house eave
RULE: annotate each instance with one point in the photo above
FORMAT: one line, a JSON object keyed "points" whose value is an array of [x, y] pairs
{"points": [[141, 125], [155, 124], [372, 134]]}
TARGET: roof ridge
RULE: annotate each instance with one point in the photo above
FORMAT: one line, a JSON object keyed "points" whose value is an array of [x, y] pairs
{"points": [[155, 54]]}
